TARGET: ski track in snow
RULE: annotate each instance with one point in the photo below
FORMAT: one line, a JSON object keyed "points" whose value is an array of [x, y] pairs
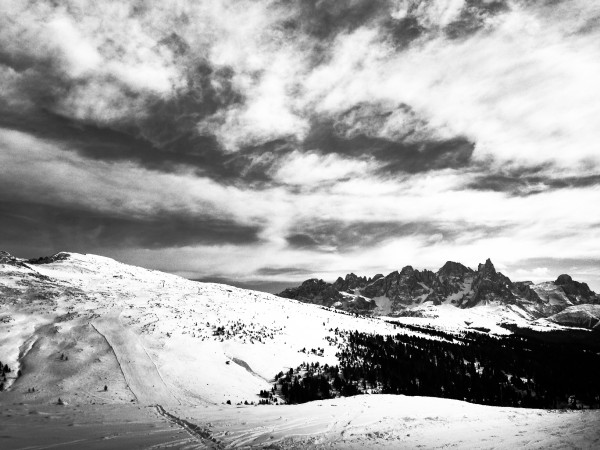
{"points": [[202, 436], [140, 372]]}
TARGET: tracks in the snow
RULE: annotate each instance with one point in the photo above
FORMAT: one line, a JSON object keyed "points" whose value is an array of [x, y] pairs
{"points": [[201, 434]]}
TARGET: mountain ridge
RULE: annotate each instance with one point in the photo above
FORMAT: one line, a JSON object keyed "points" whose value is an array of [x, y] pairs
{"points": [[454, 284]]}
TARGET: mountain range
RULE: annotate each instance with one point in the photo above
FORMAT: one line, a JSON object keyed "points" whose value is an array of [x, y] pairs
{"points": [[406, 292]]}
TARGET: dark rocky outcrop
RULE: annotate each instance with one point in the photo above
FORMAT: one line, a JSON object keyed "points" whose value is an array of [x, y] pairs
{"points": [[350, 283], [7, 258], [62, 256], [319, 292], [576, 292], [489, 285], [453, 270], [314, 290], [523, 289]]}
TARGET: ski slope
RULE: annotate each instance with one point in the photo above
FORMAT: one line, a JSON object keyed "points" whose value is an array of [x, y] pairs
{"points": [[140, 372]]}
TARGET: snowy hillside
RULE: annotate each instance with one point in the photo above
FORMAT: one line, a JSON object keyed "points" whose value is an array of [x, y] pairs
{"points": [[175, 341], [97, 333]]}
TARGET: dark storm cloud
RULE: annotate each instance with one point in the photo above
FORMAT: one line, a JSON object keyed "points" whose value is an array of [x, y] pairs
{"points": [[473, 16], [104, 143], [301, 240], [323, 19], [341, 235], [281, 270], [157, 131], [529, 181], [401, 155], [401, 32], [162, 136], [186, 147], [162, 131], [27, 226]]}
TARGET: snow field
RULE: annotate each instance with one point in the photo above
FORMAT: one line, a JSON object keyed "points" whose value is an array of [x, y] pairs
{"points": [[155, 338]]}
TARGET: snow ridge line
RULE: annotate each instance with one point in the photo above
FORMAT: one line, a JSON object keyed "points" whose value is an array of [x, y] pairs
{"points": [[117, 358], [201, 434]]}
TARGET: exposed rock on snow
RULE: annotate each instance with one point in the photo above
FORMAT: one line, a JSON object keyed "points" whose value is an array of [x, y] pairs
{"points": [[575, 291]]}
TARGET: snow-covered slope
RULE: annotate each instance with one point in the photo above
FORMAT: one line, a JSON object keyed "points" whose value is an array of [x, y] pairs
{"points": [[151, 336], [74, 324], [363, 422], [399, 422]]}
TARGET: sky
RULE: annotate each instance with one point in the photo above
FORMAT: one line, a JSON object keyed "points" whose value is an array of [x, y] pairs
{"points": [[262, 143]]}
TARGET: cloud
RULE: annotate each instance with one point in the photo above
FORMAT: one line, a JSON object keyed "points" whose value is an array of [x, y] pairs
{"points": [[321, 135], [318, 61], [48, 174], [530, 181], [337, 235], [411, 154], [509, 95], [37, 229], [313, 169], [282, 270]]}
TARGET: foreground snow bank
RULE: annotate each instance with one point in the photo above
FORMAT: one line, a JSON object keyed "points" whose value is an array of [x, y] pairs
{"points": [[362, 422], [390, 421]]}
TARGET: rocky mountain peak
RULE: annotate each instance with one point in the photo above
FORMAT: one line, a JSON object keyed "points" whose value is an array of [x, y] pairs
{"points": [[453, 269], [350, 282], [490, 285], [392, 275], [564, 279], [407, 271], [319, 292], [576, 292], [6, 258], [487, 269]]}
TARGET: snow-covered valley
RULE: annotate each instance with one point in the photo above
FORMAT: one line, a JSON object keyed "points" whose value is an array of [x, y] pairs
{"points": [[104, 336]]}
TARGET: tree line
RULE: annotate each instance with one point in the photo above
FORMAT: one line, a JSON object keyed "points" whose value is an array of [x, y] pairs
{"points": [[475, 367]]}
